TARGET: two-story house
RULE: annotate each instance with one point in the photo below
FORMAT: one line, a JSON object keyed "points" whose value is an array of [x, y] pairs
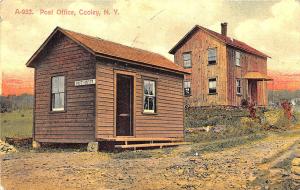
{"points": [[224, 70]]}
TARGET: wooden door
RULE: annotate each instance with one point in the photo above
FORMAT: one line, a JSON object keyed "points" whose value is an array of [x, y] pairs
{"points": [[252, 88], [124, 105]]}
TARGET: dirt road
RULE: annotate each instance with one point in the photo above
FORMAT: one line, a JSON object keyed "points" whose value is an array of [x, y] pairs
{"points": [[246, 166]]}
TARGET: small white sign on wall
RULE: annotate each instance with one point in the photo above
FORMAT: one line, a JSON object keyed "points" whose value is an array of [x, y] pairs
{"points": [[85, 82]]}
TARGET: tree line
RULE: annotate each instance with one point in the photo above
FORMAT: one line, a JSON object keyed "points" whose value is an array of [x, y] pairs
{"points": [[13, 102]]}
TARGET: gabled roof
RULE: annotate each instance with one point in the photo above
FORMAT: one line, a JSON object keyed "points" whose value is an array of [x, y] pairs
{"points": [[109, 49], [225, 39]]}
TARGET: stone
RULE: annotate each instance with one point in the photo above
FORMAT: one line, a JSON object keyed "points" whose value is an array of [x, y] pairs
{"points": [[295, 177], [295, 170], [6, 148], [36, 145], [296, 162], [93, 147]]}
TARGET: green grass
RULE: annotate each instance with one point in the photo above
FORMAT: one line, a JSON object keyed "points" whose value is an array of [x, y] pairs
{"points": [[16, 124]]}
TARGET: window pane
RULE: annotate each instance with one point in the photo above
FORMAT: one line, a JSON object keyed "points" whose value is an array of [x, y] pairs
{"points": [[187, 84], [61, 100], [56, 101], [212, 84], [54, 84], [61, 84], [187, 91], [187, 63], [212, 54], [149, 96], [151, 103], [146, 87], [187, 60], [146, 103], [213, 90], [151, 88], [186, 56], [238, 86]]}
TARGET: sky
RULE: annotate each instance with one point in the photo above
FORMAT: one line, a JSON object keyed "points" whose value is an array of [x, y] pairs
{"points": [[270, 26]]}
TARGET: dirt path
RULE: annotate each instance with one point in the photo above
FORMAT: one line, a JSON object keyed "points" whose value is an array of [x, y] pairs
{"points": [[233, 168]]}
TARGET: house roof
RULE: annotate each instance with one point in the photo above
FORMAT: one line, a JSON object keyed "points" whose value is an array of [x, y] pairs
{"points": [[101, 47], [257, 76], [227, 40]]}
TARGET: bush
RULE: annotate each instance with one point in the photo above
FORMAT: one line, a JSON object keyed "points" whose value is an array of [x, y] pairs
{"points": [[276, 119]]}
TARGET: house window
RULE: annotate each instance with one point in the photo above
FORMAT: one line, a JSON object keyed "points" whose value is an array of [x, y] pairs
{"points": [[187, 60], [58, 93], [238, 86], [212, 86], [149, 96], [237, 58], [212, 55], [187, 88]]}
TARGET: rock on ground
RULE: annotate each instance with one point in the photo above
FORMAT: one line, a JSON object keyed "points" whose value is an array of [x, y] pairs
{"points": [[6, 148]]}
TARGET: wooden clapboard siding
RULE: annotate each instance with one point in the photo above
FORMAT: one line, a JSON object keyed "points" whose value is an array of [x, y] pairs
{"points": [[168, 122], [198, 45], [249, 63], [77, 123]]}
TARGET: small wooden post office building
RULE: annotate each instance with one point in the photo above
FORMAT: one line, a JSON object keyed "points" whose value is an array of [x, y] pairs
{"points": [[89, 89]]}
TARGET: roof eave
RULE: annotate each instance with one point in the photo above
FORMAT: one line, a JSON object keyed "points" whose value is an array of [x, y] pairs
{"points": [[173, 50], [263, 56], [141, 64], [30, 62]]}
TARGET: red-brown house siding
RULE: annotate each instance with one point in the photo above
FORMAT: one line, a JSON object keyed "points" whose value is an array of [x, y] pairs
{"points": [[63, 56], [168, 122], [198, 45], [248, 63]]}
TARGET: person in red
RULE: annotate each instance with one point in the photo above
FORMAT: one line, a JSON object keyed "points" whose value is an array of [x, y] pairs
{"points": [[252, 109], [287, 107]]}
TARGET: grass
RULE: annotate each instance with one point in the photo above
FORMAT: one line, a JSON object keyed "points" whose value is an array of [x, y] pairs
{"points": [[16, 124], [225, 143]]}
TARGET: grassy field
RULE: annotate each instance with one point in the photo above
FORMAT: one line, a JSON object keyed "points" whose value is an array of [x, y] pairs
{"points": [[16, 124]]}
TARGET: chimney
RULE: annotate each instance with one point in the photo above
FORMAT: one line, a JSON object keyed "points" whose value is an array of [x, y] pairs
{"points": [[224, 28]]}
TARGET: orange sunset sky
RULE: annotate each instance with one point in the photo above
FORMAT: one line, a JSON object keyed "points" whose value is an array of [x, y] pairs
{"points": [[270, 26]]}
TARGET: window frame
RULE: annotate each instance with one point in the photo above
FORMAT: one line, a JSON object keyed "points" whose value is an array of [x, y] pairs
{"points": [[63, 109], [187, 53], [190, 94], [214, 62], [209, 80], [238, 87], [150, 112], [235, 58]]}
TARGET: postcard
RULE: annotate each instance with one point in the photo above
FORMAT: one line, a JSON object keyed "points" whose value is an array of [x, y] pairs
{"points": [[150, 95]]}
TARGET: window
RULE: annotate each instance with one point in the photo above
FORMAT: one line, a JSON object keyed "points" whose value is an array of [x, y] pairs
{"points": [[149, 96], [212, 55], [187, 88], [212, 86], [238, 86], [187, 60], [237, 58], [58, 93]]}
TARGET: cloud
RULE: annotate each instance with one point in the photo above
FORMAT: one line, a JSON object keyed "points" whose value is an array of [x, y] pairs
{"points": [[277, 35]]}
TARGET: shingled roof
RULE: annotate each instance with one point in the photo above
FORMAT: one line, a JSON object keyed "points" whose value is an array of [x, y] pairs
{"points": [[227, 40], [101, 47]]}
